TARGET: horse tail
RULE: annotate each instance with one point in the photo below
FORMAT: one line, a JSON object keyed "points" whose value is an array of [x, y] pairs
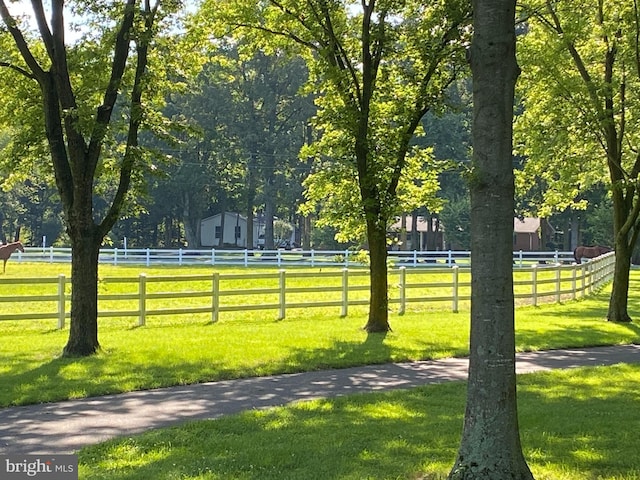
{"points": [[575, 255]]}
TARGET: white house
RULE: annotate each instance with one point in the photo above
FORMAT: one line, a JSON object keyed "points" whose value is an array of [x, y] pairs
{"points": [[235, 231]]}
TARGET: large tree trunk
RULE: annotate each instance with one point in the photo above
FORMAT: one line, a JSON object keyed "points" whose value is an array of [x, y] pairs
{"points": [[378, 320], [251, 200], [490, 447], [378, 302], [625, 218], [415, 235], [83, 333], [190, 230], [620, 290]]}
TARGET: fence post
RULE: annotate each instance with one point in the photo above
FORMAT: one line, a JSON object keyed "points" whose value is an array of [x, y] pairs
{"points": [[574, 269], [61, 301], [345, 292], [215, 298], [213, 256], [520, 256], [346, 258], [148, 257], [115, 256], [51, 254], [558, 283], [246, 257], [415, 258], [456, 295], [583, 279], [450, 258], [403, 290], [180, 257], [283, 297], [313, 258], [534, 284], [142, 299]]}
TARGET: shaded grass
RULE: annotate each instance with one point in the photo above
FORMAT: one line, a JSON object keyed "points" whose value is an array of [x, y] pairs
{"points": [[575, 425], [170, 351]]}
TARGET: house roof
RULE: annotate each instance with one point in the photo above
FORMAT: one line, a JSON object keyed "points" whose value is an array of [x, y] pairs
{"points": [[227, 214], [526, 225]]}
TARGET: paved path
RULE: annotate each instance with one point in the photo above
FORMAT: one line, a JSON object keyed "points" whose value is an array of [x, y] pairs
{"points": [[65, 427]]}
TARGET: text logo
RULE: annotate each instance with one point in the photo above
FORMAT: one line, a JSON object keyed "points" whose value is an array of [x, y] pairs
{"points": [[45, 467]]}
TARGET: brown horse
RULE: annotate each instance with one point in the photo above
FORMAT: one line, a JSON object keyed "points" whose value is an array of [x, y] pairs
{"points": [[589, 252], [6, 251]]}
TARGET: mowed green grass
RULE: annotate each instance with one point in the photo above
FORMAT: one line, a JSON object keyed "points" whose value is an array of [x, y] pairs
{"points": [[119, 286], [575, 425], [182, 350]]}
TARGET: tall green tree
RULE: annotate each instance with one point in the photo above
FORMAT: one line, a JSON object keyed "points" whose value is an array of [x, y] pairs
{"points": [[490, 447], [581, 104], [379, 66], [85, 90]]}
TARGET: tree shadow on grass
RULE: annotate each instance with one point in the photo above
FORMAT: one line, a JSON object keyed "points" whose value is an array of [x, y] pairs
{"points": [[25, 385]]}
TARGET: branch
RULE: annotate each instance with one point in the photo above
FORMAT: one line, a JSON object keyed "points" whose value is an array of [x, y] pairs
{"points": [[21, 43], [636, 17], [43, 27], [288, 35], [623, 110], [52, 119], [633, 215], [120, 56], [135, 120], [421, 107], [338, 58], [577, 59], [18, 69]]}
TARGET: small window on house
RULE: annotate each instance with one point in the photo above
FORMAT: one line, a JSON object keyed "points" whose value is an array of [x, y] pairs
{"points": [[218, 233], [238, 231]]}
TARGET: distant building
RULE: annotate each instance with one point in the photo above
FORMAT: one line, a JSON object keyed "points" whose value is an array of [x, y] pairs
{"points": [[234, 234], [532, 234], [429, 231]]}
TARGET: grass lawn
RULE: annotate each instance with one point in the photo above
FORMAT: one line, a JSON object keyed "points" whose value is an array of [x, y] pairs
{"points": [[575, 425]]}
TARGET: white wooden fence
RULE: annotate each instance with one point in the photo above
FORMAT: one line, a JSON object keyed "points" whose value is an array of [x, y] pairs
{"points": [[280, 258], [145, 296]]}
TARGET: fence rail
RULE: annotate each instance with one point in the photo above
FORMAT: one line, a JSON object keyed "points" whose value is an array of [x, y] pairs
{"points": [[310, 258], [145, 296]]}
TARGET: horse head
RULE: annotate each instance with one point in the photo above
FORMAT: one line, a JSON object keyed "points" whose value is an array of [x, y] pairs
{"points": [[19, 245]]}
